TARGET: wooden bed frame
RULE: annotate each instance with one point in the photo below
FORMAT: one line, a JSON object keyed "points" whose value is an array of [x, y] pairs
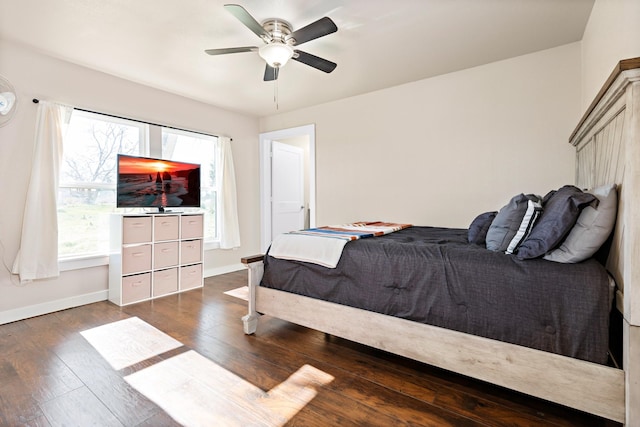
{"points": [[607, 141]]}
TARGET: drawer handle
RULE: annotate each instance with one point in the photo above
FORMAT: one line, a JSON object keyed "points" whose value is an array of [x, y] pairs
{"points": [[137, 254], [137, 225], [193, 222], [165, 224], [191, 246], [138, 283], [165, 250]]}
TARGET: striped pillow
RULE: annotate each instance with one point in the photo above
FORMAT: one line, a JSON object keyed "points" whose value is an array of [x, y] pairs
{"points": [[508, 222], [531, 215]]}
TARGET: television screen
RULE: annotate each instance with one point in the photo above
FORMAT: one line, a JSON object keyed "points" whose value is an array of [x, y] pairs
{"points": [[144, 182]]}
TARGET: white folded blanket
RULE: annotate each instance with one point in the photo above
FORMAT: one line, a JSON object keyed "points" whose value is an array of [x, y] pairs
{"points": [[325, 251], [324, 245]]}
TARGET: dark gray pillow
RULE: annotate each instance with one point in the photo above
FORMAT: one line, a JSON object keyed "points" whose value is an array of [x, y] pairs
{"points": [[593, 227], [509, 221], [561, 210], [479, 227]]}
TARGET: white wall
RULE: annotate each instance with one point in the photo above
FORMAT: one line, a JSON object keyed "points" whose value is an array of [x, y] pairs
{"points": [[442, 150], [37, 76], [612, 34]]}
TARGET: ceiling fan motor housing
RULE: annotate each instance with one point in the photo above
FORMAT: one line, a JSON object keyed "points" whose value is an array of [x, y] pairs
{"points": [[278, 50], [278, 29]]}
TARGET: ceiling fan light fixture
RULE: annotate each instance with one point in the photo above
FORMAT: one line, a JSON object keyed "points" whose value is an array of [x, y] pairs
{"points": [[276, 54]]}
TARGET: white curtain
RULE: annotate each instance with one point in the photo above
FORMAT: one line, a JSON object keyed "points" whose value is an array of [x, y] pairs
{"points": [[229, 227], [37, 256]]}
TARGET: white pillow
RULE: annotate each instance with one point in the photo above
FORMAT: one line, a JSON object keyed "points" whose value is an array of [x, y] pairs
{"points": [[593, 227]]}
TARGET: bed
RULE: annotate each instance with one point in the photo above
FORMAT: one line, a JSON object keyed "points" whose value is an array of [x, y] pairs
{"points": [[572, 373]]}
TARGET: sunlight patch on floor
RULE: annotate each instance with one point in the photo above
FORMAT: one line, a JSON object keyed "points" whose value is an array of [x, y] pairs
{"points": [[129, 341], [196, 391], [241, 292]]}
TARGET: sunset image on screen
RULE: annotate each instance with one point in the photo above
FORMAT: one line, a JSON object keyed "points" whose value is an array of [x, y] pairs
{"points": [[146, 182], [141, 165]]}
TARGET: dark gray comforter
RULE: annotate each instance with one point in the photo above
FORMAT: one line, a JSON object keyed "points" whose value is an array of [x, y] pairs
{"points": [[433, 275]]}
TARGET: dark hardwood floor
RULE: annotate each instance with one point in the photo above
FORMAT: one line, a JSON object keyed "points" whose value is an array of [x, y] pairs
{"points": [[51, 376]]}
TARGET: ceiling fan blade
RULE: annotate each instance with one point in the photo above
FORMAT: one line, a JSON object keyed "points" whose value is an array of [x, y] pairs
{"points": [[320, 28], [224, 51], [314, 61], [248, 20], [271, 73]]}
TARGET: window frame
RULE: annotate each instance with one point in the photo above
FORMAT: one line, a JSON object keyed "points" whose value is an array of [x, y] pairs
{"points": [[214, 242], [150, 144]]}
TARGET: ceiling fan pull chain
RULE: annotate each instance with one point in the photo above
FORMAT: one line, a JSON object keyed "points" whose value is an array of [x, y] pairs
{"points": [[275, 94]]}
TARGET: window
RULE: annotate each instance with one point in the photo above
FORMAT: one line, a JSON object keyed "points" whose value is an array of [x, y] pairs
{"points": [[86, 195], [191, 147]]}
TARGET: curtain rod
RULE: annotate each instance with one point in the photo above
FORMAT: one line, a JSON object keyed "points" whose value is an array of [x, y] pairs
{"points": [[36, 100]]}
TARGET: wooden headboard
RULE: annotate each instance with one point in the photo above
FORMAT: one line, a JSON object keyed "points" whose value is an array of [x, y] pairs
{"points": [[607, 151], [607, 142]]}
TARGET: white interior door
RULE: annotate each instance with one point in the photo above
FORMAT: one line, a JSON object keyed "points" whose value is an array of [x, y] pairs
{"points": [[308, 132], [287, 188]]}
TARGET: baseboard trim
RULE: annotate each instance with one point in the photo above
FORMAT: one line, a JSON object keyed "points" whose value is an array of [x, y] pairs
{"points": [[51, 306], [209, 272], [78, 300]]}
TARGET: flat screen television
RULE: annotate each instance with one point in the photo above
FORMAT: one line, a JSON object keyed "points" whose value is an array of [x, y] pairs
{"points": [[144, 182]]}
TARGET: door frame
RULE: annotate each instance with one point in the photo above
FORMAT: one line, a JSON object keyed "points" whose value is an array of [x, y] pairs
{"points": [[265, 176]]}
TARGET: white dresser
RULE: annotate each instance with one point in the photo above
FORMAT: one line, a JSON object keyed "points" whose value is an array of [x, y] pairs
{"points": [[152, 255]]}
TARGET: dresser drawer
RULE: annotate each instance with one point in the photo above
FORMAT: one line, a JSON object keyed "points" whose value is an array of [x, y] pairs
{"points": [[136, 288], [190, 276], [190, 251], [165, 281], [136, 229], [165, 255], [136, 259], [192, 226], [166, 227]]}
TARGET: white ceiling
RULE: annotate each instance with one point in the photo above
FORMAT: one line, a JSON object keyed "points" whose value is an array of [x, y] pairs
{"points": [[379, 43]]}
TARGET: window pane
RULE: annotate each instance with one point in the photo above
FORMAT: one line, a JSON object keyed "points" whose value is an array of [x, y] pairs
{"points": [[84, 227], [87, 180], [91, 145], [191, 147]]}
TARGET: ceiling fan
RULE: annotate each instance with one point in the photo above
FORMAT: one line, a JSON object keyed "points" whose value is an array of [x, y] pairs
{"points": [[280, 40]]}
